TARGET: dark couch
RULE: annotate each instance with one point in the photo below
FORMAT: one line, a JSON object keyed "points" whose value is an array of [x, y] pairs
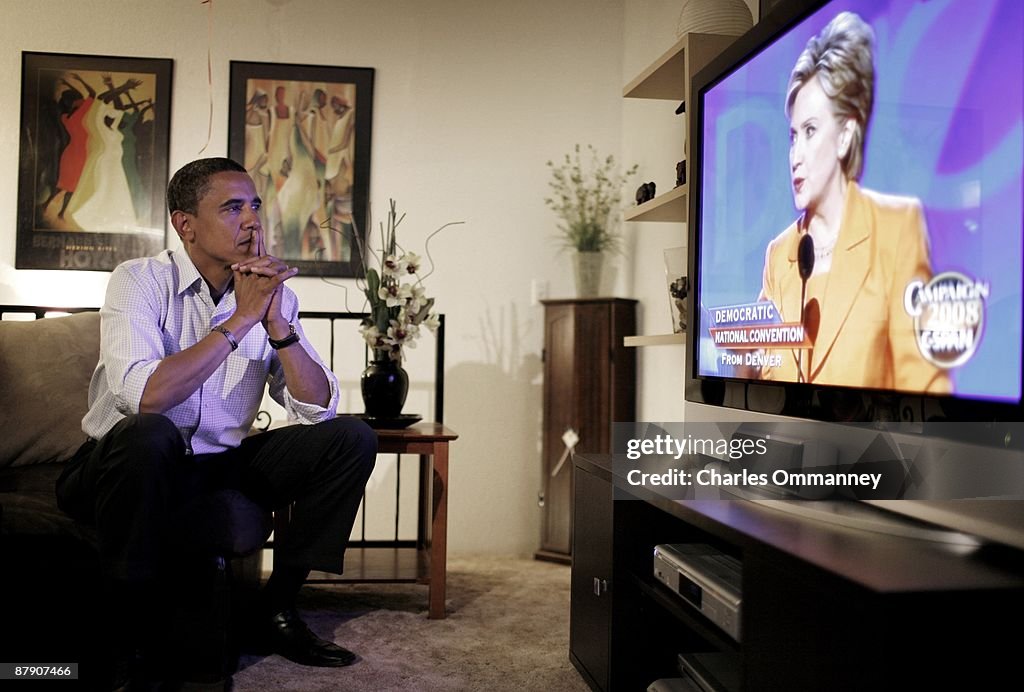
{"points": [[55, 606]]}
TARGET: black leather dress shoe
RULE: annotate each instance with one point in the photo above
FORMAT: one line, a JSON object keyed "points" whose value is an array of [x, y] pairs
{"points": [[290, 637]]}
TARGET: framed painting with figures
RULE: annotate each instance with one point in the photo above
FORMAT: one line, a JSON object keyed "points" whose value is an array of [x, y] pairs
{"points": [[92, 171], [303, 133]]}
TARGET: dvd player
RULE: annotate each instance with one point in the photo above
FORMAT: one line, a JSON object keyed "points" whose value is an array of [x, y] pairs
{"points": [[704, 577]]}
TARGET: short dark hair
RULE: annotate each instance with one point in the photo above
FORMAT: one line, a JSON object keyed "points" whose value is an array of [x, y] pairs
{"points": [[192, 182]]}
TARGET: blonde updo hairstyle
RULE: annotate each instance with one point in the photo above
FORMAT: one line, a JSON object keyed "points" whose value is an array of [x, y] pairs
{"points": [[841, 59]]}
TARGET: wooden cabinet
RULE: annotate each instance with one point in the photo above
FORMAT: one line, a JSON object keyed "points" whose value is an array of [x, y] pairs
{"points": [[826, 606], [589, 383], [592, 582]]}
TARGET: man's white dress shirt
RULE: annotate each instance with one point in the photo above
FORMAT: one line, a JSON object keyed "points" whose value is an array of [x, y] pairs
{"points": [[158, 306]]}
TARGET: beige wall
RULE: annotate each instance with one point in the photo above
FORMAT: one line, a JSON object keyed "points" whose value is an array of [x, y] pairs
{"points": [[472, 97], [653, 137]]}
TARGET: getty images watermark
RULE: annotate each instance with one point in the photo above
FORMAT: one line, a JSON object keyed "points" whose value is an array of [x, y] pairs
{"points": [[805, 460]]}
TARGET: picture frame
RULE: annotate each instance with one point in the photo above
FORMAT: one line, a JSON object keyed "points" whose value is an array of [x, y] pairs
{"points": [[92, 166], [303, 132]]}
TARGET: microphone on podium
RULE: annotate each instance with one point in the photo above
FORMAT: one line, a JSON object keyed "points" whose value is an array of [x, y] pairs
{"points": [[805, 262], [805, 265]]}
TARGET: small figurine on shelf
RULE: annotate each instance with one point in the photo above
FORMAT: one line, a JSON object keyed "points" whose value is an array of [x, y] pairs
{"points": [[645, 193], [681, 173], [676, 259], [678, 290]]}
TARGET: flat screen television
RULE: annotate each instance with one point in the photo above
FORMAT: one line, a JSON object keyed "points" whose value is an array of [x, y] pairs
{"points": [[857, 213], [856, 232]]}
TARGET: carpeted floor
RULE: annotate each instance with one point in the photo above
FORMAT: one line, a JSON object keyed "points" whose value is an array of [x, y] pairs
{"points": [[507, 629]]}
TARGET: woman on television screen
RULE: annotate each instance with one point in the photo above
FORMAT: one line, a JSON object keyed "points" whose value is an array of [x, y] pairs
{"points": [[842, 268]]}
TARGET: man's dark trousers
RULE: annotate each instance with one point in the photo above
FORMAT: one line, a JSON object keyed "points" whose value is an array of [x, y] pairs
{"points": [[156, 507]]}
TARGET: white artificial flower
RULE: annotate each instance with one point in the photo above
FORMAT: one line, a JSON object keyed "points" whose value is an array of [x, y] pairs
{"points": [[401, 334], [373, 337], [395, 295], [417, 300], [403, 306], [432, 322], [412, 262], [393, 267]]}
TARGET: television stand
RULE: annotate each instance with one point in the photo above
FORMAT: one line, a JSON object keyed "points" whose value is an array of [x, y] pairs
{"points": [[858, 515], [825, 606]]}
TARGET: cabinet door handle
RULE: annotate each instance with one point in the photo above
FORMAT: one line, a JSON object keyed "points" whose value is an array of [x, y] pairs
{"points": [[600, 586]]}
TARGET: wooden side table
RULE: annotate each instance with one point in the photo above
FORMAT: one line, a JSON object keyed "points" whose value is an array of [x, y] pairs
{"points": [[425, 560]]}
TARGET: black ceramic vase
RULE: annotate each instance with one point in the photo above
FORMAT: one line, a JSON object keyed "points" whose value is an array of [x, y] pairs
{"points": [[385, 385]]}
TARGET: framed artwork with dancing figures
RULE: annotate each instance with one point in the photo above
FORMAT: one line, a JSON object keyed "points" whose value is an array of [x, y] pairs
{"points": [[92, 173], [303, 133]]}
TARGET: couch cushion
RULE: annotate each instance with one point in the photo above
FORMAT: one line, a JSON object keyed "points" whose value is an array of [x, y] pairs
{"points": [[45, 368], [29, 502]]}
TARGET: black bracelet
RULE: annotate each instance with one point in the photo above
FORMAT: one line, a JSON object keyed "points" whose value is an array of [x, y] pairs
{"points": [[292, 338]]}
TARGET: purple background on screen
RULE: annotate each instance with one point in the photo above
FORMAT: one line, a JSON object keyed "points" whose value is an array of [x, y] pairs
{"points": [[946, 128]]}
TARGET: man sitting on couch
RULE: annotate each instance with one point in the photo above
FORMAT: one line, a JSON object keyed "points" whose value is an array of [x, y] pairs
{"points": [[189, 339]]}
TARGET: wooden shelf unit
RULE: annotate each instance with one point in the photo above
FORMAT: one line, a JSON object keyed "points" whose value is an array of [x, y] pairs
{"points": [[670, 206], [380, 564], [668, 78], [655, 340]]}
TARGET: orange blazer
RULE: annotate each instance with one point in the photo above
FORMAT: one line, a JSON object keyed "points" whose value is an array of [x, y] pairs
{"points": [[865, 336]]}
